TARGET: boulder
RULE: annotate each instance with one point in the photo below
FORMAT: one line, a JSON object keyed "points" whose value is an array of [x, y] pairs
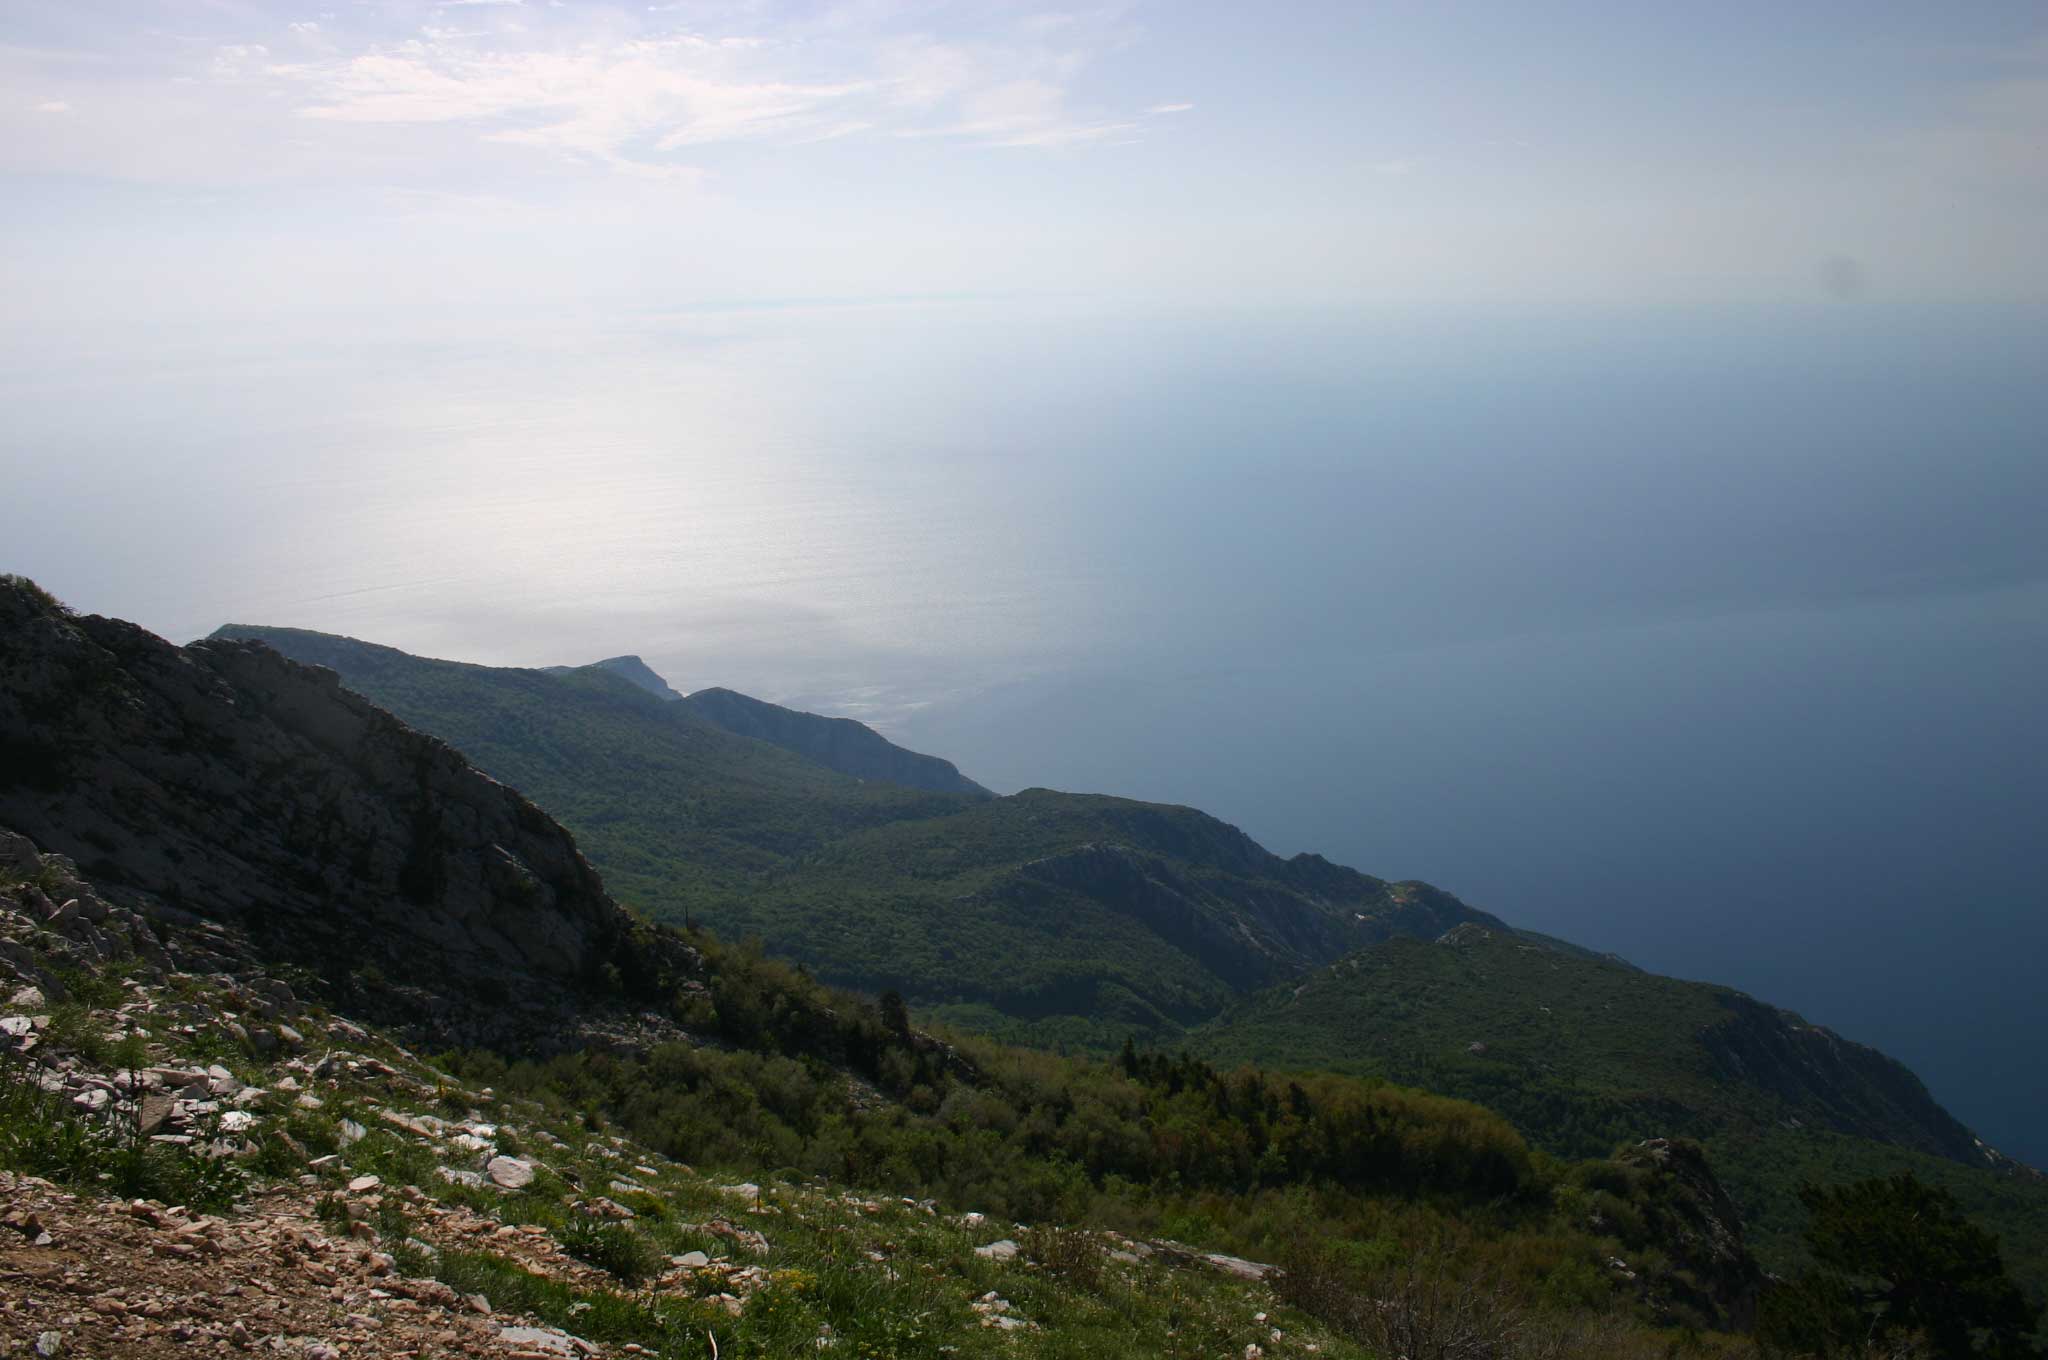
{"points": [[512, 1173]]}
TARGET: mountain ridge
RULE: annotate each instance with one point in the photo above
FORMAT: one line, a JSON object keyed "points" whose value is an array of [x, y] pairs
{"points": [[843, 744], [839, 743], [949, 898]]}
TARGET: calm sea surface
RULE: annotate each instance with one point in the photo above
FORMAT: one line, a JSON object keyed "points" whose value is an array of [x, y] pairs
{"points": [[1718, 639]]}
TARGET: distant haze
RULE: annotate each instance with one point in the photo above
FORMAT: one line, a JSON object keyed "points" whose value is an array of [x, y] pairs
{"points": [[1591, 456]]}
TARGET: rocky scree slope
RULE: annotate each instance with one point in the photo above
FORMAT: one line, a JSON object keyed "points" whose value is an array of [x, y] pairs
{"points": [[224, 779]]}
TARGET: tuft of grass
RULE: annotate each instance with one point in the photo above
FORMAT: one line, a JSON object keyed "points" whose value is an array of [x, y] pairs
{"points": [[42, 1134], [1073, 1254], [614, 1248], [210, 1046], [395, 1158], [73, 1026], [667, 1325], [332, 1210], [393, 1225], [90, 989], [15, 581]]}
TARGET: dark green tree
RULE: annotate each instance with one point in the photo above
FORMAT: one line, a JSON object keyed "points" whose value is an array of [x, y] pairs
{"points": [[895, 1015], [1895, 1258]]}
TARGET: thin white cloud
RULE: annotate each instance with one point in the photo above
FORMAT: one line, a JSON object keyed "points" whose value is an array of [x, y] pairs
{"points": [[53, 106], [597, 87], [237, 60], [1169, 108], [636, 102]]}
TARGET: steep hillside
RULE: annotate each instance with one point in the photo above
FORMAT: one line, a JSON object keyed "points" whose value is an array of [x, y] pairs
{"points": [[677, 811], [837, 743], [1585, 1053], [1059, 917], [1045, 916], [226, 780]]}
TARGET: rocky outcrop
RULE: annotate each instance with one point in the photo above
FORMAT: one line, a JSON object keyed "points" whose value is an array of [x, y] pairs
{"points": [[1688, 1217], [837, 743], [221, 781]]}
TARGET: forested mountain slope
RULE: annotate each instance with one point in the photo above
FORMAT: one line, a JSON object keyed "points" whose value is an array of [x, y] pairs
{"points": [[1584, 1053], [676, 810], [1048, 916], [836, 743]]}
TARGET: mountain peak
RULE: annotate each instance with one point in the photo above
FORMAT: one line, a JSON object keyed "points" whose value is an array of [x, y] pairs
{"points": [[632, 668]]}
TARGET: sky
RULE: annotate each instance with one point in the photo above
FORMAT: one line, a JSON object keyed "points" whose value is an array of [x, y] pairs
{"points": [[1584, 455], [227, 159]]}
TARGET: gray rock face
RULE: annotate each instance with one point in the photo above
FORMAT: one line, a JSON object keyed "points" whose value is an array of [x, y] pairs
{"points": [[1691, 1218], [222, 782]]}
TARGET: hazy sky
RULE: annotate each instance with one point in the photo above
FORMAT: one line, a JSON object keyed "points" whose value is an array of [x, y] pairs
{"points": [[185, 158]]}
